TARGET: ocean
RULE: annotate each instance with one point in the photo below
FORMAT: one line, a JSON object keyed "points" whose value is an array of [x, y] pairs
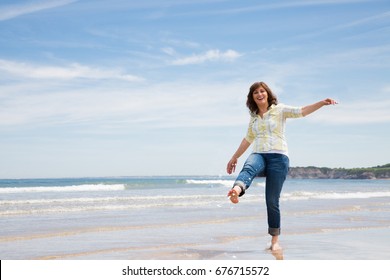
{"points": [[190, 217]]}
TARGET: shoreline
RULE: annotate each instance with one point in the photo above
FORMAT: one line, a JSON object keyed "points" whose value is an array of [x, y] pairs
{"points": [[193, 219], [380, 172]]}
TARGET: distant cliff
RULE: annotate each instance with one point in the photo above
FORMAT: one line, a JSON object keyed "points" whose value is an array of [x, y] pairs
{"points": [[312, 172]]}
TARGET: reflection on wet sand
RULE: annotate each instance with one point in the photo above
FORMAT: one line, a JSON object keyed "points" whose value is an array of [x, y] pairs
{"points": [[278, 254]]}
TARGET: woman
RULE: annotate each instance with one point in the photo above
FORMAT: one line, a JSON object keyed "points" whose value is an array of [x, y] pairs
{"points": [[270, 154]]}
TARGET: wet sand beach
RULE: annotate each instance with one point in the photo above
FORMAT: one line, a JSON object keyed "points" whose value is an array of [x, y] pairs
{"points": [[195, 224]]}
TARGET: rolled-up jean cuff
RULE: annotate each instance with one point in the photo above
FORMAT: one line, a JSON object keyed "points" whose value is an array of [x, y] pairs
{"points": [[274, 231], [242, 185]]}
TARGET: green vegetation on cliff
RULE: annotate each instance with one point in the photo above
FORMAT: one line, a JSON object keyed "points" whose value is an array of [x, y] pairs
{"points": [[312, 172]]}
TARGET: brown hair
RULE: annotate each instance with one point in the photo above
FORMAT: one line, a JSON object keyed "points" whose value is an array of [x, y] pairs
{"points": [[250, 102]]}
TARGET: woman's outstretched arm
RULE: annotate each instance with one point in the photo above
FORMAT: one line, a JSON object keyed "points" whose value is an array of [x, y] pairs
{"points": [[314, 107]]}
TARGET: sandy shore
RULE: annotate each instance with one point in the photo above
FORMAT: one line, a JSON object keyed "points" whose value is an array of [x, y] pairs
{"points": [[193, 225], [336, 245], [223, 239]]}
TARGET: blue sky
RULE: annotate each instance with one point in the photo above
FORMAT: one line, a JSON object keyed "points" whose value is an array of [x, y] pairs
{"points": [[123, 88]]}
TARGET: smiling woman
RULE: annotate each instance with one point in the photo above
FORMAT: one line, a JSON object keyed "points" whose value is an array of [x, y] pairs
{"points": [[260, 90], [270, 153]]}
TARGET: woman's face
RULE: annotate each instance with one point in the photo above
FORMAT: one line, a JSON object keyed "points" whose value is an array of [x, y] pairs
{"points": [[260, 96]]}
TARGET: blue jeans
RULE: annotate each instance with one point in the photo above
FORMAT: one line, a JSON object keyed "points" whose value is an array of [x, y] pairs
{"points": [[275, 168]]}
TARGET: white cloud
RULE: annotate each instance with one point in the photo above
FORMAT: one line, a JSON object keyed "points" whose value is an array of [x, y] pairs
{"points": [[72, 71], [182, 43], [168, 51], [275, 5], [117, 106], [211, 55], [12, 11], [365, 20]]}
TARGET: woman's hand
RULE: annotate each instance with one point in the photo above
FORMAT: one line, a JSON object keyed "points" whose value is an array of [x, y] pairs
{"points": [[231, 166], [329, 101]]}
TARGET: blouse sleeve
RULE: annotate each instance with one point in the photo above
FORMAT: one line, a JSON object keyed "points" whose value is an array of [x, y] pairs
{"points": [[250, 136], [291, 111]]}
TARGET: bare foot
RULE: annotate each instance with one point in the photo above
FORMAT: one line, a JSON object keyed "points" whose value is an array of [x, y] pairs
{"points": [[233, 194], [275, 247]]}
